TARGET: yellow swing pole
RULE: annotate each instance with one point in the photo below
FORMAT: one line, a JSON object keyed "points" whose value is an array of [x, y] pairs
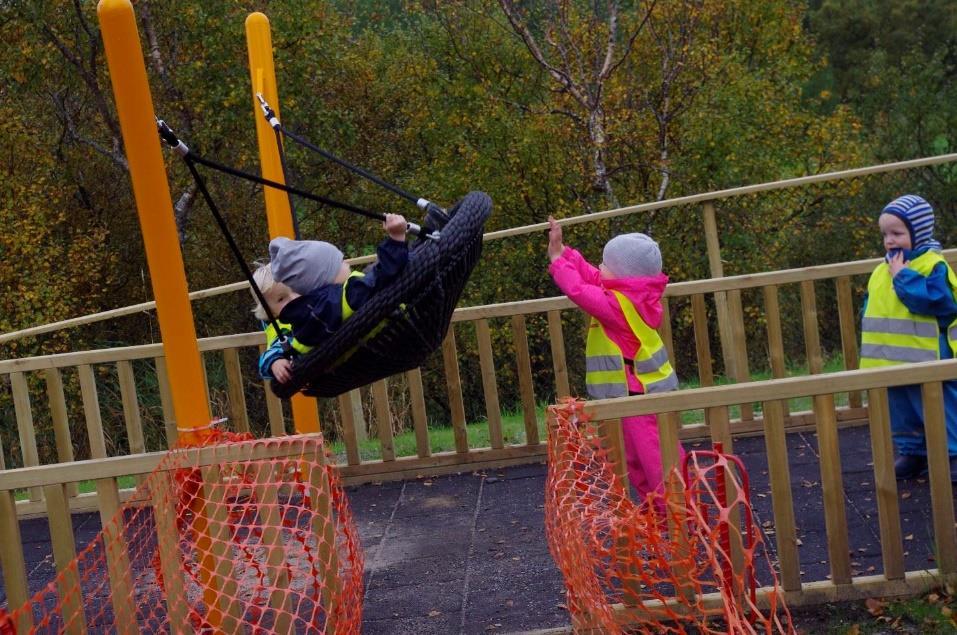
{"points": [[305, 414], [134, 105], [262, 75]]}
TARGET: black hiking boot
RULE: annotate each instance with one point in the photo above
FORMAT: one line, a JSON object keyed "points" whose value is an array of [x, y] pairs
{"points": [[910, 466]]}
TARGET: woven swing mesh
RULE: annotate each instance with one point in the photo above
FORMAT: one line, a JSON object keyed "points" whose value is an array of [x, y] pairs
{"points": [[400, 326], [677, 563], [239, 536]]}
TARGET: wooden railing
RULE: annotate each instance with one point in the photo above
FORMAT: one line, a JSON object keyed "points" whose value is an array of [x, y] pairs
{"points": [[54, 480], [498, 453], [698, 293], [842, 585]]}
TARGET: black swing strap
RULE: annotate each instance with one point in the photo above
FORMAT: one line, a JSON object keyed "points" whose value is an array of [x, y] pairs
{"points": [[190, 159], [183, 150], [422, 203], [285, 178]]}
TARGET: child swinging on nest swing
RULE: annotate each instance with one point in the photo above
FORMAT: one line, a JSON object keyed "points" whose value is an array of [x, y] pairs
{"points": [[311, 290]]}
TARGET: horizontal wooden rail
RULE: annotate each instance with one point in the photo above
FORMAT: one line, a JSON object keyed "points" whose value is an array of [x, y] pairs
{"points": [[142, 307], [730, 192], [504, 309], [811, 593], [403, 467], [690, 288], [124, 353], [771, 390], [113, 467], [525, 229]]}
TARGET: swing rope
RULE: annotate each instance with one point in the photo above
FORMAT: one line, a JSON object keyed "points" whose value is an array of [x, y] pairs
{"points": [[397, 329], [285, 177], [421, 202], [183, 150], [190, 158]]}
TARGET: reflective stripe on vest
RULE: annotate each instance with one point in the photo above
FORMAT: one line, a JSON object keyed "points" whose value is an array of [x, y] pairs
{"points": [[890, 333], [605, 366], [347, 310]]}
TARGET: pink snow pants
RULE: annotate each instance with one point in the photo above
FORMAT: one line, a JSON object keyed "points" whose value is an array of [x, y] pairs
{"points": [[643, 454]]}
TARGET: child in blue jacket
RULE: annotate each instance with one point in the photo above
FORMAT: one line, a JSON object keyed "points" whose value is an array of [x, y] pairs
{"points": [[310, 290], [910, 315]]}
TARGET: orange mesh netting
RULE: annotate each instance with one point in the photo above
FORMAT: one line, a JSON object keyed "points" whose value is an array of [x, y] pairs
{"points": [[676, 563], [241, 536]]}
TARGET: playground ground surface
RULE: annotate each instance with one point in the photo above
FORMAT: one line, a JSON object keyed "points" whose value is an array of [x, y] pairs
{"points": [[467, 553]]}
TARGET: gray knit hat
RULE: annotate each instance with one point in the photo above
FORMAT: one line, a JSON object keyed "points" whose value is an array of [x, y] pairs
{"points": [[304, 265], [632, 256]]}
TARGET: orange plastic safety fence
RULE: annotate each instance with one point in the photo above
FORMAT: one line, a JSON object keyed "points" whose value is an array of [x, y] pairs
{"points": [[676, 563], [241, 536]]}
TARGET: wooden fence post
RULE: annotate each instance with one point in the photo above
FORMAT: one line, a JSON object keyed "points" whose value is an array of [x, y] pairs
{"points": [[720, 297]]}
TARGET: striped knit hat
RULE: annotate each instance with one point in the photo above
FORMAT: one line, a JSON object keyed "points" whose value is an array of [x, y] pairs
{"points": [[918, 216]]}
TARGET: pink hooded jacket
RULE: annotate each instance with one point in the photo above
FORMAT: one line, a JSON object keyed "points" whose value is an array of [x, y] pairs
{"points": [[583, 285]]}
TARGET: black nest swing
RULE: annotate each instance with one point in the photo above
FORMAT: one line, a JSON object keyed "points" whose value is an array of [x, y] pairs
{"points": [[398, 327]]}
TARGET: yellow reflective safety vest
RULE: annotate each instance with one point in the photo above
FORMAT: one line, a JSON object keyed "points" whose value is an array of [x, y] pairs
{"points": [[286, 328], [298, 346], [890, 333], [605, 365]]}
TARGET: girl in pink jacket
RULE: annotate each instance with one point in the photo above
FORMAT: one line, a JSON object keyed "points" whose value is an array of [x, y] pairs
{"points": [[624, 354]]}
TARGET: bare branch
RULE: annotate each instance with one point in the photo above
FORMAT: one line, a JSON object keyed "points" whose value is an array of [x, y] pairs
{"points": [[92, 37], [567, 113], [78, 9], [631, 42], [182, 208], [569, 50], [70, 132], [610, 41], [99, 99], [532, 45]]}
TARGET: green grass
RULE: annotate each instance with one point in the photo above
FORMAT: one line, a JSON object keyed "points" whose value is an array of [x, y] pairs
{"points": [[442, 439], [931, 613], [85, 487], [831, 365]]}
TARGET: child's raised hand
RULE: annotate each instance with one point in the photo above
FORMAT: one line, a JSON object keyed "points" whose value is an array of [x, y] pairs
{"points": [[282, 370], [555, 246], [897, 262], [395, 225]]}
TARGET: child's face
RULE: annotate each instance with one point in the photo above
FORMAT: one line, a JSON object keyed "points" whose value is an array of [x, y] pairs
{"points": [[606, 273], [343, 274], [279, 296], [894, 232]]}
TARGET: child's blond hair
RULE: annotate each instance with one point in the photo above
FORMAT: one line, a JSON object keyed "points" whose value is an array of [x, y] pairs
{"points": [[263, 278]]}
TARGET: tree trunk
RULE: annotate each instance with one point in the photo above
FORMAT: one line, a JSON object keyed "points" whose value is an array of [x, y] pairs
{"points": [[596, 134]]}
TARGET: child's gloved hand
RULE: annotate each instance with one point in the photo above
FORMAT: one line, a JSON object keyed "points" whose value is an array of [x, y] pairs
{"points": [[395, 225], [896, 262], [555, 246]]}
